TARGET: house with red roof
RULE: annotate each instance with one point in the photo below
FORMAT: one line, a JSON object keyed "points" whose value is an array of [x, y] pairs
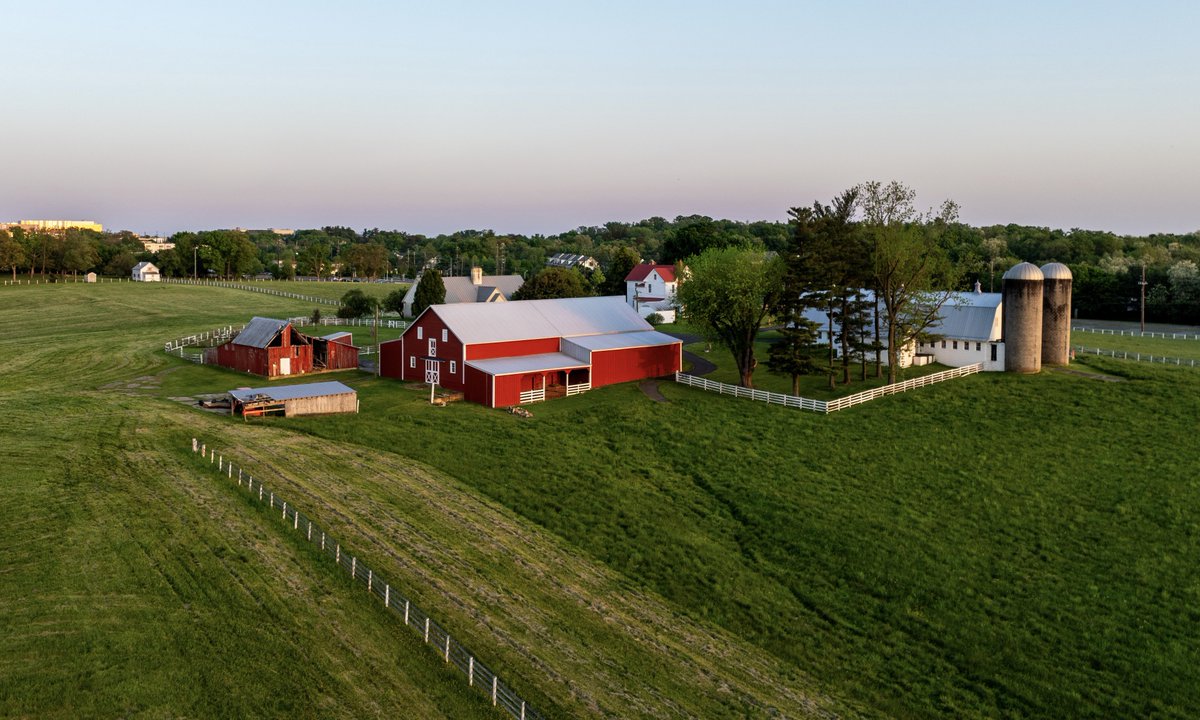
{"points": [[650, 288], [503, 354]]}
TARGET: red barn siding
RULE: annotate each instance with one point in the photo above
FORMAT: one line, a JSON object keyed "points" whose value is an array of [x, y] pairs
{"points": [[395, 361], [508, 390], [478, 387], [514, 348], [341, 355], [624, 365], [391, 359]]}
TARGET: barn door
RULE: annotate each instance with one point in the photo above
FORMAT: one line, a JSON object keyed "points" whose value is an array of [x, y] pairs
{"points": [[285, 366], [432, 375]]}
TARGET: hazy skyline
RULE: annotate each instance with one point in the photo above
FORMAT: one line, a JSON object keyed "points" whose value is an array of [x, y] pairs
{"points": [[537, 117]]}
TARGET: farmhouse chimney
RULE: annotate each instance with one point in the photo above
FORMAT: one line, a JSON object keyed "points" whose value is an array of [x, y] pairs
{"points": [[476, 275]]}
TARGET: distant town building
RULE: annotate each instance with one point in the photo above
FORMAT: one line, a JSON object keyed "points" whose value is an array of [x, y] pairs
{"points": [[53, 225], [569, 260], [155, 243]]}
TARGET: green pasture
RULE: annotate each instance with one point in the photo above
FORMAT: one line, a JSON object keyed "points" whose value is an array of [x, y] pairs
{"points": [[811, 386], [1183, 348], [993, 546], [331, 290]]}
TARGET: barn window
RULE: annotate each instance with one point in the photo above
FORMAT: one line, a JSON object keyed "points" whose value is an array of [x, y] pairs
{"points": [[943, 344], [955, 344], [978, 347], [420, 333], [453, 367], [412, 361], [993, 353], [445, 335], [432, 347]]}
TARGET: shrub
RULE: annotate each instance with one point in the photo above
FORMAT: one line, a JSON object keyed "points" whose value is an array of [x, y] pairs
{"points": [[654, 319]]}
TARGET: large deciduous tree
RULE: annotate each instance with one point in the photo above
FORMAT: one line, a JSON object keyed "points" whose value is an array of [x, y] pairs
{"points": [[909, 270], [11, 253], [728, 293], [553, 282]]}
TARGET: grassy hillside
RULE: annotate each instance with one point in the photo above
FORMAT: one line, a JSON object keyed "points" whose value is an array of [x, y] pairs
{"points": [[135, 570], [993, 546]]}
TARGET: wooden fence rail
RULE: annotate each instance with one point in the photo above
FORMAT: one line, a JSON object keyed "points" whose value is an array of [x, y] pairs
{"points": [[1137, 333], [1137, 356]]}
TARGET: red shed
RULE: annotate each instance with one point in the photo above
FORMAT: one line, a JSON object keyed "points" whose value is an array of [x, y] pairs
{"points": [[518, 352], [268, 347], [335, 351]]}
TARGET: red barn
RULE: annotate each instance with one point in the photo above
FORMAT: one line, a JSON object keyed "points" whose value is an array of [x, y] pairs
{"points": [[517, 352], [268, 347]]}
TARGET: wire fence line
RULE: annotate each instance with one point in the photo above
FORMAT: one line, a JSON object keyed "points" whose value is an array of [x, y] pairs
{"points": [[825, 406], [478, 675], [1140, 357], [1137, 333]]}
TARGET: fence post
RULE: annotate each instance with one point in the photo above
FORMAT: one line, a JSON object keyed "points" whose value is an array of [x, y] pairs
{"points": [[522, 710], [310, 530], [353, 566], [239, 477], [470, 670], [284, 516], [447, 647], [322, 541], [406, 614], [426, 626], [193, 445], [337, 554], [370, 574], [494, 679], [387, 595]]}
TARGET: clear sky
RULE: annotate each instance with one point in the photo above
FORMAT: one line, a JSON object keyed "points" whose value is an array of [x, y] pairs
{"points": [[543, 116]]}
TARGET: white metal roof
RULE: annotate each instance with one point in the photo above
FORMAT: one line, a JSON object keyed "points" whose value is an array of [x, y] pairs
{"points": [[293, 392], [970, 316], [1024, 271], [526, 319], [527, 363], [617, 341]]}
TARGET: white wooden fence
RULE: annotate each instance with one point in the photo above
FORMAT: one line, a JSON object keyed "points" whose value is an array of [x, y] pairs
{"points": [[1140, 357], [438, 639], [1137, 333], [825, 406]]}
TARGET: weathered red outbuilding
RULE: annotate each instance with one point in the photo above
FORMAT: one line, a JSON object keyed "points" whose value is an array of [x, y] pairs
{"points": [[274, 348], [510, 353]]}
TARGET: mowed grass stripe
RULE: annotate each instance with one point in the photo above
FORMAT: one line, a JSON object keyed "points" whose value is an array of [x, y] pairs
{"points": [[135, 585]]}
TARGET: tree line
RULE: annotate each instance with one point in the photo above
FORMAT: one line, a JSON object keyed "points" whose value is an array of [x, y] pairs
{"points": [[1107, 267]]}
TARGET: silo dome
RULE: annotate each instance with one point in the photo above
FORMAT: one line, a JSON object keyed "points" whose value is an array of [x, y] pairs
{"points": [[1023, 318], [1025, 271], [1056, 314]]}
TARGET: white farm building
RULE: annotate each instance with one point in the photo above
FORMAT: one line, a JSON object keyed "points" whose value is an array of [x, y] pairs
{"points": [[145, 272], [969, 331]]}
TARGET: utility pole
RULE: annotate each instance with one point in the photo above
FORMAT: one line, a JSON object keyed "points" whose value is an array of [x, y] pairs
{"points": [[1143, 284], [194, 248]]}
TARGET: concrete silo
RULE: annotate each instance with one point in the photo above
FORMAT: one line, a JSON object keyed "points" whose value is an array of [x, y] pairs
{"points": [[1023, 318], [1056, 314]]}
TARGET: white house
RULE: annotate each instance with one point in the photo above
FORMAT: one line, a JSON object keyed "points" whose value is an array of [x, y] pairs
{"points": [[570, 260], [968, 331], [146, 272], [651, 289], [476, 288]]}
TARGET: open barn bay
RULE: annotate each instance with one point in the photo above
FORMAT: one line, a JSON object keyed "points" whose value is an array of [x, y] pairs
{"points": [[994, 546]]}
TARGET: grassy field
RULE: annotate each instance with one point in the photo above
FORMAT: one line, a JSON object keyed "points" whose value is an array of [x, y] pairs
{"points": [[138, 582], [328, 290], [996, 546], [1185, 349], [811, 386]]}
